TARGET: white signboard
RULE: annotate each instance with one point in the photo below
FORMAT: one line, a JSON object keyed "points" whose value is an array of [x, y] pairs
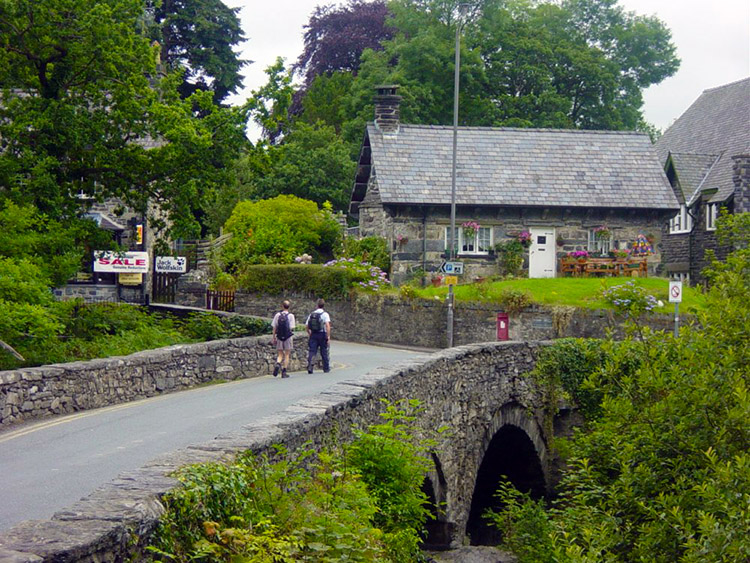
{"points": [[171, 265], [121, 262], [675, 292], [453, 268]]}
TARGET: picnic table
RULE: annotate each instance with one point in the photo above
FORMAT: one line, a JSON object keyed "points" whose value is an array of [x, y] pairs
{"points": [[589, 267]]}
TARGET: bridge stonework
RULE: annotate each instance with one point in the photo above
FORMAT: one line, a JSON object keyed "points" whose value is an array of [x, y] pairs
{"points": [[477, 391]]}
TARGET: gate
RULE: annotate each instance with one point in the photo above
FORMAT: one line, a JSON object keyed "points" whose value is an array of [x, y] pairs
{"points": [[220, 300], [164, 287]]}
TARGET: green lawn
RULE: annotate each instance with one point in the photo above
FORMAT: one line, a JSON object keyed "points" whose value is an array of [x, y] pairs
{"points": [[576, 292]]}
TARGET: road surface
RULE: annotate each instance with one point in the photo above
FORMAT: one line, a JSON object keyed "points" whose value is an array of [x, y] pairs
{"points": [[49, 465]]}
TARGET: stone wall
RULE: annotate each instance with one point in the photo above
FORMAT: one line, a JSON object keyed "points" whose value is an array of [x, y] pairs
{"points": [[474, 390], [424, 229], [422, 323], [39, 392], [87, 292]]}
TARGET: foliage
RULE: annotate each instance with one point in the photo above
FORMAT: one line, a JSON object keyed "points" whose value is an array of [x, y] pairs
{"points": [[276, 230], [312, 279], [393, 462], [663, 474], [514, 300], [311, 507], [630, 299], [511, 256], [312, 163], [563, 370], [208, 326], [365, 276], [198, 37], [203, 326], [82, 111], [223, 281], [367, 249], [269, 105], [336, 36], [56, 332], [22, 281]]}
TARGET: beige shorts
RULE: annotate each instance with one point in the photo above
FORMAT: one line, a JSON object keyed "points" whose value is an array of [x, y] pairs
{"points": [[285, 344]]}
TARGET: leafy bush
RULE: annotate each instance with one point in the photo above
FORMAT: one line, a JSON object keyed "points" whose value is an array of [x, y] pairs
{"points": [[630, 300], [312, 279], [373, 250], [237, 326], [274, 231], [22, 281], [511, 256], [208, 326], [313, 507], [514, 300], [362, 274]]}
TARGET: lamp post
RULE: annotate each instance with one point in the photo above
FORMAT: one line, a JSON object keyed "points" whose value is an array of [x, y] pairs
{"points": [[462, 9]]}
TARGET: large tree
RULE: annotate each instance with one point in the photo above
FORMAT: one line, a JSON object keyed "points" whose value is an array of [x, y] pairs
{"points": [[83, 112], [199, 36]]}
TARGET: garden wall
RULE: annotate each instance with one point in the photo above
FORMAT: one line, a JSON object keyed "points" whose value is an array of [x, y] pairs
{"points": [[422, 323], [38, 392]]}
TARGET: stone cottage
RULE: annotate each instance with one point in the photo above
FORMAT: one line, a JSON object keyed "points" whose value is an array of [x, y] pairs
{"points": [[706, 155], [562, 186]]}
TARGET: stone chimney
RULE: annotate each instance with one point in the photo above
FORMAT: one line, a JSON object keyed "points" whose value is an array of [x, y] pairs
{"points": [[741, 178], [387, 104]]}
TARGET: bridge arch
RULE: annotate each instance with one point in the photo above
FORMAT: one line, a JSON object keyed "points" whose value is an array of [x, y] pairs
{"points": [[513, 446]]}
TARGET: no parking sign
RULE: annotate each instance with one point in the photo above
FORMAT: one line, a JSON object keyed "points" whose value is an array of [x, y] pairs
{"points": [[675, 292]]}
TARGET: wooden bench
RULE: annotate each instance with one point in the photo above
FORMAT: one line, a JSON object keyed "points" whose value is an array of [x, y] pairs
{"points": [[604, 266], [571, 267]]}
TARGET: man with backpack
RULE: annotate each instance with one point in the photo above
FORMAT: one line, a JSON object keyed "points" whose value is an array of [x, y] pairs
{"points": [[319, 330], [283, 329]]}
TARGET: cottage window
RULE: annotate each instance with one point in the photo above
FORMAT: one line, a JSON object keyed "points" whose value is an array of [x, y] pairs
{"points": [[597, 244], [682, 222], [712, 212], [480, 243]]}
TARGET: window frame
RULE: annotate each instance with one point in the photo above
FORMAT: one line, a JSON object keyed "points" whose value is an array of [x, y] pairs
{"points": [[462, 246], [682, 222], [712, 213], [598, 245]]}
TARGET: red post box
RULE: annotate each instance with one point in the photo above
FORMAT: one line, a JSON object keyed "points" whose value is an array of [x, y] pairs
{"points": [[502, 326]]}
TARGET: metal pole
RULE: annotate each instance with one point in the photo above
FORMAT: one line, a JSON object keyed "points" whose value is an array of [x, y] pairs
{"points": [[452, 238], [676, 320]]}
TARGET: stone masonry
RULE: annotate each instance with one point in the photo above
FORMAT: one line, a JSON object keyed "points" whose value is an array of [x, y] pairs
{"points": [[473, 390]]}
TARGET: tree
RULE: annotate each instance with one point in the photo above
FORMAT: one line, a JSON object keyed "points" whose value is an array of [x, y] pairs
{"points": [[313, 163], [336, 37], [199, 36], [82, 112]]}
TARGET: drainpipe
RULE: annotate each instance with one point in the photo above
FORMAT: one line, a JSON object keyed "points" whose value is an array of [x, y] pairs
{"points": [[424, 243]]}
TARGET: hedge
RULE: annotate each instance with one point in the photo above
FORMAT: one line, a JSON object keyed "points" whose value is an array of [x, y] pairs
{"points": [[277, 279]]}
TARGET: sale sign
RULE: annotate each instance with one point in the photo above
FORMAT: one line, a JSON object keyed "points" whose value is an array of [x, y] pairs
{"points": [[120, 262]]}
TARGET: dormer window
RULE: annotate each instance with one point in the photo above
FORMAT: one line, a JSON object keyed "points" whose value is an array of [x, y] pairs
{"points": [[682, 222]]}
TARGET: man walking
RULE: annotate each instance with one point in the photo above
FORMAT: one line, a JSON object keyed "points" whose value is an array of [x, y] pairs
{"points": [[319, 330], [283, 334]]}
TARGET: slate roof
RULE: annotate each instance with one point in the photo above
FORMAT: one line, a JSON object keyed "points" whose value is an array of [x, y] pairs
{"points": [[691, 169], [717, 123], [519, 167]]}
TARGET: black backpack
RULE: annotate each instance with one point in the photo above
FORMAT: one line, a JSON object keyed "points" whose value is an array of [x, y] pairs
{"points": [[283, 331], [314, 322]]}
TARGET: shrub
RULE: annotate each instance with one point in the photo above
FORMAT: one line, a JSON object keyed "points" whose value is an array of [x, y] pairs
{"points": [[514, 300], [373, 250], [511, 256], [362, 274], [274, 231], [630, 299], [203, 326], [311, 279]]}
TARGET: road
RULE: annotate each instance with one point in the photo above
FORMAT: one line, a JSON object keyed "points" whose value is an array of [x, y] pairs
{"points": [[51, 464]]}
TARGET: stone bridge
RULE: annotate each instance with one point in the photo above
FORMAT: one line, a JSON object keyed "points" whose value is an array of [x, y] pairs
{"points": [[498, 425]]}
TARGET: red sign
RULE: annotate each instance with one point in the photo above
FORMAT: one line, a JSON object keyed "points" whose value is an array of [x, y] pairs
{"points": [[121, 262]]}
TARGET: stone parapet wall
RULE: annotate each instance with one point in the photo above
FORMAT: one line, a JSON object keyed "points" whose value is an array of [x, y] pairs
{"points": [[32, 393], [422, 323], [464, 388]]}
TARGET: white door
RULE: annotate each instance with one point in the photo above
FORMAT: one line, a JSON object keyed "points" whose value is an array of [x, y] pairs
{"points": [[542, 253]]}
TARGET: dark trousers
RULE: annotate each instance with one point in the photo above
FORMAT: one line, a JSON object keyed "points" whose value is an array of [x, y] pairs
{"points": [[318, 341]]}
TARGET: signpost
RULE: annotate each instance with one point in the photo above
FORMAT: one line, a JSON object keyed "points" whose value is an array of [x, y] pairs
{"points": [[452, 268], [121, 262], [171, 265], [451, 280], [675, 296]]}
